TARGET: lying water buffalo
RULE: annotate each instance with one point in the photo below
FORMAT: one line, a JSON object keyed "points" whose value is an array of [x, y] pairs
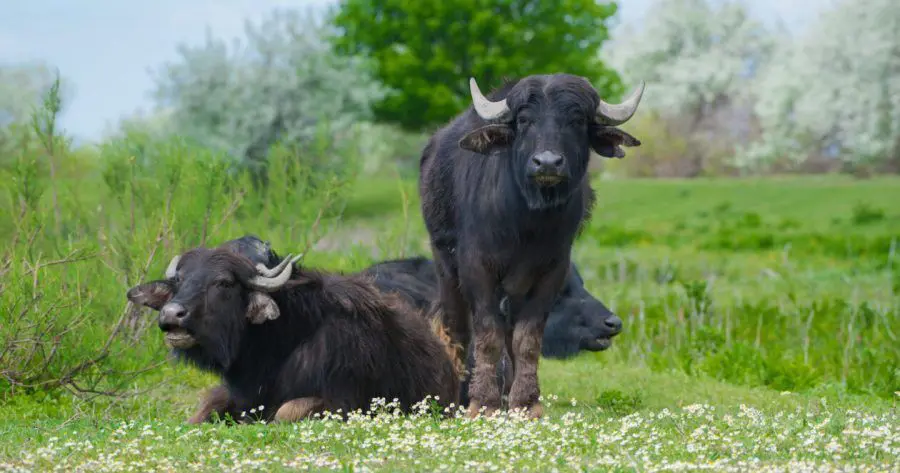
{"points": [[298, 340], [504, 192], [577, 321]]}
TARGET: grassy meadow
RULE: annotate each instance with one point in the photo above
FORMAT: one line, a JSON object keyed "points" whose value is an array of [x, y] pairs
{"points": [[762, 318]]}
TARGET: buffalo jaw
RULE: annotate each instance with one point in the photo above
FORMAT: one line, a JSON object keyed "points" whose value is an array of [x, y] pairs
{"points": [[597, 344], [179, 339]]}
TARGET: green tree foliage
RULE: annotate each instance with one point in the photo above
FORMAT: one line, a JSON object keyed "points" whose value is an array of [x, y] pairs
{"points": [[282, 84], [426, 51]]}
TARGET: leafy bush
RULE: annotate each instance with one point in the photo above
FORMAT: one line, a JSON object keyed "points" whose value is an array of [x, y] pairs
{"points": [[864, 213], [66, 264]]}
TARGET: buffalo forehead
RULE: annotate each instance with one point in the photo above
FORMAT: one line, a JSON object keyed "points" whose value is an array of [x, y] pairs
{"points": [[213, 261], [566, 95]]}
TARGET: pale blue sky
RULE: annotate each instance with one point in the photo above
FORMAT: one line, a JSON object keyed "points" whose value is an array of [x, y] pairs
{"points": [[106, 48]]}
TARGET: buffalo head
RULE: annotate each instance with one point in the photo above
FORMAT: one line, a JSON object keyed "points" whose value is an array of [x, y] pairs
{"points": [[207, 300], [578, 321], [546, 125]]}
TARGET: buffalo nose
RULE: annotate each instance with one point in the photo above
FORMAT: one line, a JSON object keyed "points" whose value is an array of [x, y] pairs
{"points": [[547, 159], [613, 323], [170, 316]]}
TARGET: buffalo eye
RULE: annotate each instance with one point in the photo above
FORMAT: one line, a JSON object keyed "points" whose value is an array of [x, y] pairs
{"points": [[523, 120], [578, 121]]}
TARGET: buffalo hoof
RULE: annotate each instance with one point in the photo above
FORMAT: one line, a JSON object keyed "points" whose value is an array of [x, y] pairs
{"points": [[198, 418], [476, 409], [298, 409], [532, 412]]}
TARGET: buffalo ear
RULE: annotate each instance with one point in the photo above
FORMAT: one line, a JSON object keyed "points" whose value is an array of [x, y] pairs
{"points": [[153, 294], [607, 141], [483, 139], [261, 308]]}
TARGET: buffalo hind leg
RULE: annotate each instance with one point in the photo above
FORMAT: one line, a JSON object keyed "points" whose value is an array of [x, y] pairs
{"points": [[455, 311], [298, 409], [217, 400]]}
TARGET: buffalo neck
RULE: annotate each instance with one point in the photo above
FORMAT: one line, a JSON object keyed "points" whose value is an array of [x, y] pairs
{"points": [[492, 192], [266, 346]]}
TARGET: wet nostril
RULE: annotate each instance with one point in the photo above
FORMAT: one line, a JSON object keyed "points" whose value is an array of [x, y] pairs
{"points": [[173, 311], [547, 158], [613, 323]]}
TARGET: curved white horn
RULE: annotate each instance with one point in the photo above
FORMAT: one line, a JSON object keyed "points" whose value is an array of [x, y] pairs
{"points": [[617, 114], [485, 108], [264, 271], [270, 284], [171, 270]]}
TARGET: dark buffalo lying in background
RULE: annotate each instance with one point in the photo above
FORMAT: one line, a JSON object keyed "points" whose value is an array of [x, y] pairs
{"points": [[577, 321], [294, 340], [505, 191]]}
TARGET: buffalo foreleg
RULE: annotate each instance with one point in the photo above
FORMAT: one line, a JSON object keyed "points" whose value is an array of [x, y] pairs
{"points": [[216, 400], [489, 333], [527, 337], [299, 409]]}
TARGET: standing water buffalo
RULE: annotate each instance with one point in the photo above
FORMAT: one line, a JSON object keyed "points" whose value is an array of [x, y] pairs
{"points": [[577, 321], [302, 343], [504, 193]]}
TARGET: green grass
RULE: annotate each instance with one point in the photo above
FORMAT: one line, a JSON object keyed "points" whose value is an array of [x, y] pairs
{"points": [[761, 316]]}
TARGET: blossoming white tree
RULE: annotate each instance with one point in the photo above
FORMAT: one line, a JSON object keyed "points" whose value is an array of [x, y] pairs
{"points": [[692, 53], [835, 90], [698, 58], [280, 85]]}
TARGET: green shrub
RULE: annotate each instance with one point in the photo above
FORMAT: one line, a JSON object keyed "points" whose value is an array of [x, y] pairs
{"points": [[64, 319]]}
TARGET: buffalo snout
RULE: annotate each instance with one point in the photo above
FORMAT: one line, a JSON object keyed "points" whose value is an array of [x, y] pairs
{"points": [[603, 325], [547, 168], [171, 316], [613, 324]]}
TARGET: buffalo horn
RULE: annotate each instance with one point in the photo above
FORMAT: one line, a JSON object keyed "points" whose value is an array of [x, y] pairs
{"points": [[485, 108], [264, 271], [266, 283], [173, 267], [617, 114]]}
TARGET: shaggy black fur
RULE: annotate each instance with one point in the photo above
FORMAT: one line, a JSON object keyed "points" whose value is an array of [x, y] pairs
{"points": [[334, 338], [501, 227]]}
